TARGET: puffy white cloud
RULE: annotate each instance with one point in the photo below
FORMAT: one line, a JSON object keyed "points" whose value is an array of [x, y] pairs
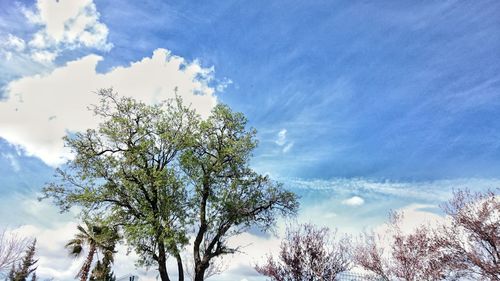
{"points": [[39, 110], [354, 201], [72, 23], [17, 60], [58, 26], [43, 56]]}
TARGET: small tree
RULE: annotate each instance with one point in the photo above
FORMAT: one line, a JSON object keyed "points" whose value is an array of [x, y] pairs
{"points": [[26, 267], [410, 256], [11, 249], [472, 239], [308, 253]]}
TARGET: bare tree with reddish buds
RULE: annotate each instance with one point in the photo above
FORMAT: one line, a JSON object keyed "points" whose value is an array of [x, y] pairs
{"points": [[409, 256], [472, 239], [467, 246], [308, 253]]}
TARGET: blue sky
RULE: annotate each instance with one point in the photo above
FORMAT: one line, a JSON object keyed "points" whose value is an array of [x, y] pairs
{"points": [[392, 102], [385, 90]]}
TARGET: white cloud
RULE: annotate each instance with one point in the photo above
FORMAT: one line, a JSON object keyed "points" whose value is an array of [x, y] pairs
{"points": [[281, 140], [69, 23], [439, 190], [39, 110], [223, 84], [43, 56], [18, 60], [415, 215], [354, 201], [15, 43], [7, 55], [58, 26], [287, 147], [254, 251]]}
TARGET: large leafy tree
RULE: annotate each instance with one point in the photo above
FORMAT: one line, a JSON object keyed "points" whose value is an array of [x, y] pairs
{"points": [[227, 195], [157, 171], [99, 239], [125, 172]]}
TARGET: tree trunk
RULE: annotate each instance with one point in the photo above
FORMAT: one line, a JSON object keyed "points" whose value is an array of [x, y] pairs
{"points": [[162, 262], [84, 272], [199, 272], [180, 269]]}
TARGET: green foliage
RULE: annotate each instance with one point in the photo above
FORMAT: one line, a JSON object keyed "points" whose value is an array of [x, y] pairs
{"points": [[26, 267], [157, 171], [125, 171], [228, 196]]}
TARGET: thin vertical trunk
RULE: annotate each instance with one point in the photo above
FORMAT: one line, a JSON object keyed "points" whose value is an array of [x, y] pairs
{"points": [[199, 269], [180, 269], [84, 272], [162, 262]]}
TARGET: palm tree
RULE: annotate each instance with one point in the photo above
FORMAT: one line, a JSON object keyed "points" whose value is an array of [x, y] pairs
{"points": [[98, 238], [102, 271]]}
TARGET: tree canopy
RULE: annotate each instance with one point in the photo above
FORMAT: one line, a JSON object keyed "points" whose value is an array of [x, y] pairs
{"points": [[162, 174]]}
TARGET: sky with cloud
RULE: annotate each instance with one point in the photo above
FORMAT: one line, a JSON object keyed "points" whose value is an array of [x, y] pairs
{"points": [[361, 107]]}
